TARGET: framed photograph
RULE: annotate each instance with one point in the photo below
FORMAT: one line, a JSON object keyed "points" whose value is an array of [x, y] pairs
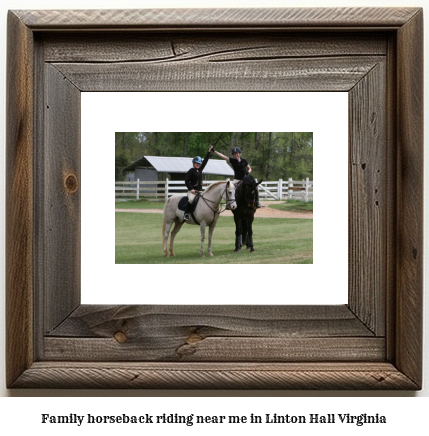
{"points": [[374, 341], [280, 237]]}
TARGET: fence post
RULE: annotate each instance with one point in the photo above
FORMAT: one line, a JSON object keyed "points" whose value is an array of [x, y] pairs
{"points": [[307, 180], [289, 188], [166, 190], [280, 189], [138, 189]]}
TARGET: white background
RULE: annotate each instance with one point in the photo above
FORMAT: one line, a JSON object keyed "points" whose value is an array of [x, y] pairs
{"points": [[406, 414], [323, 113]]}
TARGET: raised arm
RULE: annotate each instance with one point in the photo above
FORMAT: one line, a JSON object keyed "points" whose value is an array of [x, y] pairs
{"points": [[222, 156]]}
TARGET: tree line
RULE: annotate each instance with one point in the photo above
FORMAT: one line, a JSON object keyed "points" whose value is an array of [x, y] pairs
{"points": [[271, 155]]}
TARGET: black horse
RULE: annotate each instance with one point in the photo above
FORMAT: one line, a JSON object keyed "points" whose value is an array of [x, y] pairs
{"points": [[245, 197]]}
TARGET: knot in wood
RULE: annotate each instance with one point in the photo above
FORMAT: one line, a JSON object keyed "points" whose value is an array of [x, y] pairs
{"points": [[193, 338], [120, 337], [71, 183]]}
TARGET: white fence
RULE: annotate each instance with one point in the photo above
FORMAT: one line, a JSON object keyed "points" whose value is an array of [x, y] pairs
{"points": [[278, 190]]}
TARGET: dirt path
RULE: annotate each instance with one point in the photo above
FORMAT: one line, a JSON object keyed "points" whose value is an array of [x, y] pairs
{"points": [[264, 212]]}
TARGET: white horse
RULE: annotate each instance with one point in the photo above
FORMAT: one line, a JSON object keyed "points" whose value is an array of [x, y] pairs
{"points": [[205, 214]]}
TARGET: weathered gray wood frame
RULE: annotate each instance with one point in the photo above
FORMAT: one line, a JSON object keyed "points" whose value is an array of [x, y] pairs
{"points": [[374, 342]]}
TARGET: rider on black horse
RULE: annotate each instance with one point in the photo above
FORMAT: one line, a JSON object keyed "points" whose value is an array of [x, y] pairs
{"points": [[241, 167], [194, 180]]}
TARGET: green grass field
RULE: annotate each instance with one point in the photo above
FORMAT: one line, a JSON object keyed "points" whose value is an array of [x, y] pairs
{"points": [[276, 241], [289, 205]]}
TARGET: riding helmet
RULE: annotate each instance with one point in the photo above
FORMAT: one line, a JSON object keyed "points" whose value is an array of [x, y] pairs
{"points": [[197, 159], [235, 150]]}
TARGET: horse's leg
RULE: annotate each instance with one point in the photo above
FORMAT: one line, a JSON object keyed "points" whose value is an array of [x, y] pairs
{"points": [[168, 218], [166, 233], [250, 235], [177, 226], [238, 233], [203, 237], [211, 229], [245, 233]]}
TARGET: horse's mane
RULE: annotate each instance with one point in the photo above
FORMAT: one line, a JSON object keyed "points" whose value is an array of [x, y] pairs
{"points": [[248, 181], [214, 184]]}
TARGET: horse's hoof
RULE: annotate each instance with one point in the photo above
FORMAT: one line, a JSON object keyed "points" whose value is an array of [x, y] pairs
{"points": [[210, 254], [237, 250], [165, 255], [252, 250], [203, 255]]}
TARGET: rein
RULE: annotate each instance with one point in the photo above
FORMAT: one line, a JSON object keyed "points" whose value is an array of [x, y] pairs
{"points": [[216, 211]]}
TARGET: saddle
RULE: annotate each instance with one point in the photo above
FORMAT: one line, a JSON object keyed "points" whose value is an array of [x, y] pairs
{"points": [[183, 203]]}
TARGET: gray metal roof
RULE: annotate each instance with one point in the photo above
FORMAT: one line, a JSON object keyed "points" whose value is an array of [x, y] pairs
{"points": [[180, 165]]}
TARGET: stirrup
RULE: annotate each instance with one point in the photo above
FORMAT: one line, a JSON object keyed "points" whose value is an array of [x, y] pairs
{"points": [[186, 217], [258, 205]]}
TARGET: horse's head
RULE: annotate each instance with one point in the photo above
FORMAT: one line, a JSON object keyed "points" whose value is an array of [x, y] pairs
{"points": [[229, 195], [249, 190]]}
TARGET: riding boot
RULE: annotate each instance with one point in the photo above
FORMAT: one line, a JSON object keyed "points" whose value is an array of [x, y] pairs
{"points": [[187, 211]]}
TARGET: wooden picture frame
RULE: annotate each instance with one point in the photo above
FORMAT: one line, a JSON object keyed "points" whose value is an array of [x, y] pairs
{"points": [[373, 342]]}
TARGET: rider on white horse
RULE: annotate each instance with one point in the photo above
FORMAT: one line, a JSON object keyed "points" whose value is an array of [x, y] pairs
{"points": [[194, 180]]}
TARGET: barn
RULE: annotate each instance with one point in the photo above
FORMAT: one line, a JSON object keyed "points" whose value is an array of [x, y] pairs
{"points": [[147, 168]]}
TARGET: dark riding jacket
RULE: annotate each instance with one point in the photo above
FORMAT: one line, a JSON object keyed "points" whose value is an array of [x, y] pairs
{"points": [[194, 177]]}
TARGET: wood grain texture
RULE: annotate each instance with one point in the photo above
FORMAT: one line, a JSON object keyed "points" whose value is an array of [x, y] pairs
{"points": [[99, 321], [330, 74], [19, 200], [409, 279], [209, 47], [193, 348], [391, 193], [368, 203], [213, 333], [109, 375], [61, 169], [186, 19], [190, 347]]}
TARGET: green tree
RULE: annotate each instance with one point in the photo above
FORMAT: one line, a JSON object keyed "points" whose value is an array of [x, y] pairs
{"points": [[120, 162], [272, 155]]}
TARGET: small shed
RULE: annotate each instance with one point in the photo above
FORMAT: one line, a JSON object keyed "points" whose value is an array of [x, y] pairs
{"points": [[148, 167]]}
